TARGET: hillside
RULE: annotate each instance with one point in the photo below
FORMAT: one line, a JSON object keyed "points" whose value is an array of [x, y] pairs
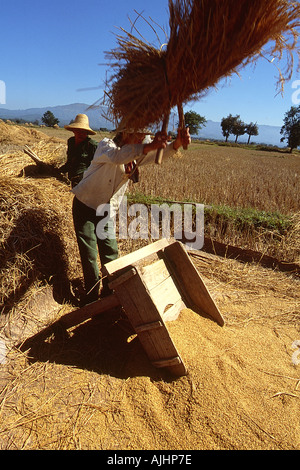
{"points": [[65, 113], [92, 387], [267, 134]]}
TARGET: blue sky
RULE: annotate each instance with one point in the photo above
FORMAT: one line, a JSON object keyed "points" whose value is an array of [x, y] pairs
{"points": [[51, 49]]}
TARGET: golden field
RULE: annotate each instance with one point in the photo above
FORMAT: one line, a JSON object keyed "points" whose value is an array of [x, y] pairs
{"points": [[92, 386], [253, 196], [231, 176]]}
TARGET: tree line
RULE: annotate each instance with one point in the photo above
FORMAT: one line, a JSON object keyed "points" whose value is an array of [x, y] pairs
{"points": [[233, 125], [290, 130], [230, 125]]}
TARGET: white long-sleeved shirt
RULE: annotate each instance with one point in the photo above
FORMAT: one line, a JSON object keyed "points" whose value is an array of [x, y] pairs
{"points": [[105, 180]]}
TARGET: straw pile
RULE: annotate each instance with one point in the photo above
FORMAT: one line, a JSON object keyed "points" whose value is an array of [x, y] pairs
{"points": [[13, 137], [93, 387], [36, 232], [17, 163], [36, 227], [209, 40]]}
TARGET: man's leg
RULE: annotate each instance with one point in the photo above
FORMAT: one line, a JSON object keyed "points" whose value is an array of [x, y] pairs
{"points": [[108, 250], [84, 223]]}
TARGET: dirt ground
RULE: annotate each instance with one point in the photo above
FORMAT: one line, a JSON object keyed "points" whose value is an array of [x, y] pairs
{"points": [[95, 389], [93, 386]]}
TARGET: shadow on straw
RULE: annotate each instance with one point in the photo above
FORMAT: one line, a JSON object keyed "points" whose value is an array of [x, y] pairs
{"points": [[105, 344]]}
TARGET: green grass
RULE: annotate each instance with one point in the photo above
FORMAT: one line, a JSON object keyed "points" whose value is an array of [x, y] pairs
{"points": [[251, 146], [241, 219]]}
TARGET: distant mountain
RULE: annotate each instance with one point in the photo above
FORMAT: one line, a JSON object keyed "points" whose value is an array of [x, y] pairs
{"points": [[64, 114], [269, 135]]}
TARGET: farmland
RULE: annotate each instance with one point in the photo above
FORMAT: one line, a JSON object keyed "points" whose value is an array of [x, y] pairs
{"points": [[229, 176], [92, 387], [252, 195]]}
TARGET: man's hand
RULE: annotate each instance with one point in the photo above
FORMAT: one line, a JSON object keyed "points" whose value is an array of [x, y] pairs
{"points": [[161, 138], [159, 142], [183, 138]]}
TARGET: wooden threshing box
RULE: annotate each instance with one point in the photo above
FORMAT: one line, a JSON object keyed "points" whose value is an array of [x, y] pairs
{"points": [[153, 284]]}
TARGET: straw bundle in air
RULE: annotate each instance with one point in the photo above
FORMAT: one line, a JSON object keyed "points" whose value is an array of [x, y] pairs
{"points": [[140, 75], [209, 40]]}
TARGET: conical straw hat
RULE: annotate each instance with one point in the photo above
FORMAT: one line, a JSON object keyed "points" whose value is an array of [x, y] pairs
{"points": [[81, 122]]}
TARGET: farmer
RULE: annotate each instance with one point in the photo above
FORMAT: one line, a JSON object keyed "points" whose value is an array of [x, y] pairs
{"points": [[81, 149], [105, 181]]}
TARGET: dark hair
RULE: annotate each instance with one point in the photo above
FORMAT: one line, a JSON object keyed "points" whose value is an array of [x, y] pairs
{"points": [[118, 139]]}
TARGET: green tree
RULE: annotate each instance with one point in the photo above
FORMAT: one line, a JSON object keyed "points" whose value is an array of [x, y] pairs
{"points": [[291, 128], [251, 129], [227, 125], [49, 119], [194, 121], [239, 128]]}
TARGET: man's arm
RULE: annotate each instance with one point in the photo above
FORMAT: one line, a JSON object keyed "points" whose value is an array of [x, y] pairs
{"points": [[160, 141]]}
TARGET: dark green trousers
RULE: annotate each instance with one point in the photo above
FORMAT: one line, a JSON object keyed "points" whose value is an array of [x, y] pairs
{"points": [[85, 223]]}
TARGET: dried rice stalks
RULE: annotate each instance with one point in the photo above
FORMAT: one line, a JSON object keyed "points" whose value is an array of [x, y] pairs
{"points": [[293, 238], [143, 62], [20, 135], [209, 40], [36, 236]]}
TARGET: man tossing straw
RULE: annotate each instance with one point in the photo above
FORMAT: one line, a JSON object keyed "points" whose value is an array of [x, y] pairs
{"points": [[105, 182]]}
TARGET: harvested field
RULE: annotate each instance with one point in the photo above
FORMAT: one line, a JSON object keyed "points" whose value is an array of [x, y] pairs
{"points": [[93, 387], [248, 181], [234, 176], [14, 137]]}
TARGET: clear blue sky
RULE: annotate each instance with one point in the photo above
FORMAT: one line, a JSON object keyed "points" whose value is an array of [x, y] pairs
{"points": [[51, 49]]}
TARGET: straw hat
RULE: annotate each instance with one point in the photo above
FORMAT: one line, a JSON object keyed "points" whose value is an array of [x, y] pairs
{"points": [[81, 122]]}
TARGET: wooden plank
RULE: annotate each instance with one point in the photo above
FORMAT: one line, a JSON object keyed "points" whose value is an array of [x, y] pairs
{"points": [[164, 294], [140, 309], [172, 313], [132, 258], [89, 311], [154, 273], [162, 289], [190, 283], [167, 362], [72, 319], [122, 278], [148, 326]]}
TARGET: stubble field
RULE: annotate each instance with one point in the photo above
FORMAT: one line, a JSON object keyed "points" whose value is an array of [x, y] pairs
{"points": [[230, 176], [93, 387], [252, 196]]}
